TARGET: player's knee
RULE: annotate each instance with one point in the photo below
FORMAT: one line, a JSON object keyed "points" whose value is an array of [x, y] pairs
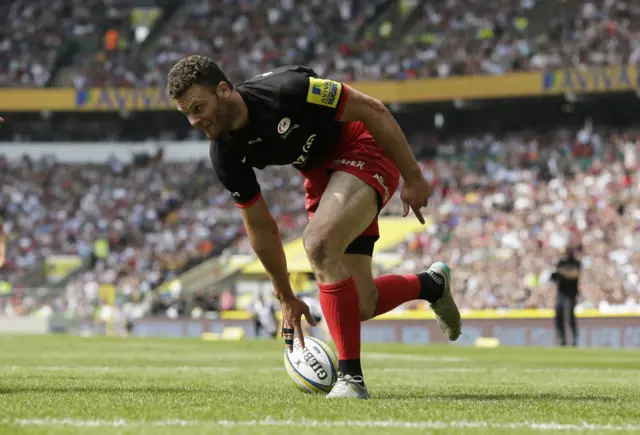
{"points": [[365, 313], [368, 302], [317, 245]]}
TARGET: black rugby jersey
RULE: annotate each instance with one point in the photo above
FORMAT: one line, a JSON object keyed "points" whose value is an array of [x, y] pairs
{"points": [[567, 286], [293, 120]]}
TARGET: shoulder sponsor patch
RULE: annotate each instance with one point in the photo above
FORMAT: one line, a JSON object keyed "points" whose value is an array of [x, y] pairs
{"points": [[324, 92]]}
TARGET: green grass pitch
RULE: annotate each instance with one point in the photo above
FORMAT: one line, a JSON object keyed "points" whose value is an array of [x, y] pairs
{"points": [[70, 385]]}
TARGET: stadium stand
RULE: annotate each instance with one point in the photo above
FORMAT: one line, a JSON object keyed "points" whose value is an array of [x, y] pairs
{"points": [[504, 227], [180, 218], [31, 33], [517, 209], [462, 37], [513, 180], [97, 43], [372, 40]]}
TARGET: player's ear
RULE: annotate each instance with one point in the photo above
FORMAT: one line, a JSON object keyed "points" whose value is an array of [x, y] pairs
{"points": [[223, 90]]}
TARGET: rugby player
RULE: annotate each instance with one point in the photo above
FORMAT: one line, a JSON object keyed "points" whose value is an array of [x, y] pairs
{"points": [[352, 153]]}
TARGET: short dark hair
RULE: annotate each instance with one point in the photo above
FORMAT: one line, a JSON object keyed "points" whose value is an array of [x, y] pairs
{"points": [[193, 70]]}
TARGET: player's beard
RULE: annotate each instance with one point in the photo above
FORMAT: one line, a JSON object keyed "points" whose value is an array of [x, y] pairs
{"points": [[221, 120]]}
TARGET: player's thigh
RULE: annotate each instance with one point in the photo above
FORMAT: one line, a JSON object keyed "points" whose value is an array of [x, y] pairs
{"points": [[347, 207], [360, 268]]}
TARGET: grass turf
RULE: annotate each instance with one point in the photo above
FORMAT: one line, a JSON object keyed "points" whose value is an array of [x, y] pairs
{"points": [[70, 385]]}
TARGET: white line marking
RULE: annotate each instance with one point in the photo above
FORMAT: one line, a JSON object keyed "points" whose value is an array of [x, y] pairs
{"points": [[409, 357], [539, 426], [148, 369], [546, 370], [184, 357], [436, 370], [228, 369]]}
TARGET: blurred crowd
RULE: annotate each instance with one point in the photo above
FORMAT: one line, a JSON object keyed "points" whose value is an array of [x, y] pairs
{"points": [[472, 37], [35, 34], [503, 209], [135, 225], [505, 223], [97, 42]]}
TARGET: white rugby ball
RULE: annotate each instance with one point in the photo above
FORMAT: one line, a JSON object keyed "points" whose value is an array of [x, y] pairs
{"points": [[314, 369]]}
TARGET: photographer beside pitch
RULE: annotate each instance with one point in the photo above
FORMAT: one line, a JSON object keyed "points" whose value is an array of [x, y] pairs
{"points": [[566, 277]]}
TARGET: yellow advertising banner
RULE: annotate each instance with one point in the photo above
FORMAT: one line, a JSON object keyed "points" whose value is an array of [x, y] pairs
{"points": [[591, 80], [35, 100], [115, 99], [518, 85], [535, 84], [453, 88], [89, 100]]}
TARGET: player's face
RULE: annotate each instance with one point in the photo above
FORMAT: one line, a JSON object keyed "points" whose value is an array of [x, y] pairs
{"points": [[207, 109]]}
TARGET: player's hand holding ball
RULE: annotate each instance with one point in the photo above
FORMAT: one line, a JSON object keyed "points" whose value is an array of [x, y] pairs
{"points": [[415, 195], [293, 308]]}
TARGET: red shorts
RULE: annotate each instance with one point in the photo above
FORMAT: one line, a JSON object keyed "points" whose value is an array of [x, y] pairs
{"points": [[358, 154]]}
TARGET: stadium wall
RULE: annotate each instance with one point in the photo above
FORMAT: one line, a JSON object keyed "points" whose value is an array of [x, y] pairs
{"points": [[534, 328], [84, 152]]}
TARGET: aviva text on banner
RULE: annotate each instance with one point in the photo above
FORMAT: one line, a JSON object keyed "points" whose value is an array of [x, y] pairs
{"points": [[518, 85]]}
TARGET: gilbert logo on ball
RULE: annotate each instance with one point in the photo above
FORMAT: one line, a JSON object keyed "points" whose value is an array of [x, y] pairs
{"points": [[313, 369]]}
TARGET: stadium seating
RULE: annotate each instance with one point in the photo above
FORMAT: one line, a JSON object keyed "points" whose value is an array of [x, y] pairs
{"points": [[354, 40], [153, 233], [37, 35], [29, 42], [374, 40], [503, 231], [501, 222], [509, 199]]}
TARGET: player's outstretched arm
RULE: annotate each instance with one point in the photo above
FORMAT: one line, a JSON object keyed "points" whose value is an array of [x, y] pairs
{"points": [[388, 134], [265, 240], [264, 236], [384, 128]]}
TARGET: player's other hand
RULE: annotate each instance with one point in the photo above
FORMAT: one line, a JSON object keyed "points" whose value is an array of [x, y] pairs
{"points": [[415, 195], [293, 308]]}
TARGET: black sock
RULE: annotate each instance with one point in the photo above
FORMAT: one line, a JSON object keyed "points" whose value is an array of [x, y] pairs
{"points": [[431, 286], [350, 367]]}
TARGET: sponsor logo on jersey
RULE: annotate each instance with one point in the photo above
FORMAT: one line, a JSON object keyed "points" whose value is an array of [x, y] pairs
{"points": [[291, 130], [302, 158], [324, 92], [284, 125], [355, 163], [380, 180], [235, 194]]}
